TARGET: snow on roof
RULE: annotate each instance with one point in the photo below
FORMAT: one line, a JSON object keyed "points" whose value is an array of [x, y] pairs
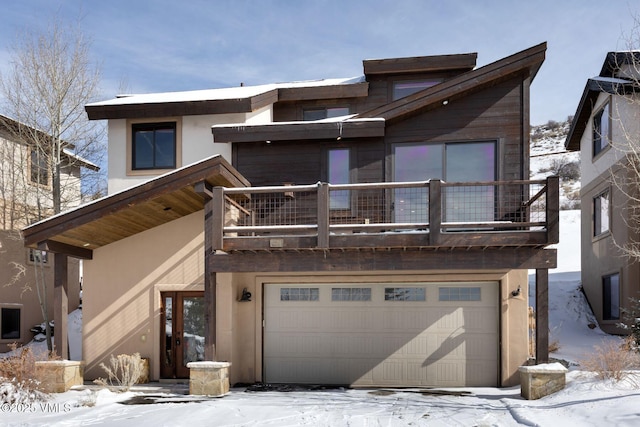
{"points": [[351, 118], [220, 94], [81, 159], [611, 80]]}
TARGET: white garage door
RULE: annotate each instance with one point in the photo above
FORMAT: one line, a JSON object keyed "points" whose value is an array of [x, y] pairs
{"points": [[435, 334]]}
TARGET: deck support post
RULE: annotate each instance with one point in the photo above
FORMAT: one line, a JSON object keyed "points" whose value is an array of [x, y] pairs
{"points": [[60, 305], [542, 315]]}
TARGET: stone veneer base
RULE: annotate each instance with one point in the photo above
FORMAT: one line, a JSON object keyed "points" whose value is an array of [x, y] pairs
{"points": [[58, 376], [209, 378], [541, 380]]}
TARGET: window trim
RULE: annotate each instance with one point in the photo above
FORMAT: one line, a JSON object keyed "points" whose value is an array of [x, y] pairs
{"points": [[146, 172], [20, 307], [595, 234], [604, 298], [596, 133]]}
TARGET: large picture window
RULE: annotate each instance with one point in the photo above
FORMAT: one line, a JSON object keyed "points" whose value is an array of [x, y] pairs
{"points": [[153, 146], [611, 297], [601, 213], [601, 129], [451, 162]]}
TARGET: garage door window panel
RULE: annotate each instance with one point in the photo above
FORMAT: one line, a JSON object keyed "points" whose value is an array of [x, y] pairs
{"points": [[299, 294], [350, 294], [459, 294], [405, 294]]}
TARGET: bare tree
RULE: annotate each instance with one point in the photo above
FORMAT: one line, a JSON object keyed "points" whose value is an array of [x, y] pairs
{"points": [[50, 79]]}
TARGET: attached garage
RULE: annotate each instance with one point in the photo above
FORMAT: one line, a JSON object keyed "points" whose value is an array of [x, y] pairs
{"points": [[394, 334]]}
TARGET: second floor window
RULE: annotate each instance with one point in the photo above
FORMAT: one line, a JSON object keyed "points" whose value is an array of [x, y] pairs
{"points": [[324, 113], [601, 129], [406, 88], [339, 173], [601, 213], [39, 170], [154, 146]]}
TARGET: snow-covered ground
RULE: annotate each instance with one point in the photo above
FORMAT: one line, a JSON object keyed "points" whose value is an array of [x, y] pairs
{"points": [[585, 401]]}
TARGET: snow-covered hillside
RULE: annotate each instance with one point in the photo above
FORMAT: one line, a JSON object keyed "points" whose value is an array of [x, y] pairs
{"points": [[549, 157]]}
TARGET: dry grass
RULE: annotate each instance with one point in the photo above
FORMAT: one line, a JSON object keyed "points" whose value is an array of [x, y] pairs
{"points": [[18, 377], [611, 360], [123, 371]]}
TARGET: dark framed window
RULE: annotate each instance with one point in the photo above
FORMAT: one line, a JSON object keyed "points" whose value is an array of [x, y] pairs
{"points": [[339, 172], [404, 88], [611, 297], [39, 172], [153, 146], [601, 210], [324, 113], [9, 323], [601, 129], [473, 161]]}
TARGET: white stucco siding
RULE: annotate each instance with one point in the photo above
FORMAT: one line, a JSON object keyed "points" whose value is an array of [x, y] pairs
{"points": [[196, 143]]}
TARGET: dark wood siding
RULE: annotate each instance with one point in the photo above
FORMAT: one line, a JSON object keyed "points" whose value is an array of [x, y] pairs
{"points": [[491, 114]]}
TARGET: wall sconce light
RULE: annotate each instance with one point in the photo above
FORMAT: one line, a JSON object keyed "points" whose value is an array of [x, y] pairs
{"points": [[246, 296], [516, 292]]}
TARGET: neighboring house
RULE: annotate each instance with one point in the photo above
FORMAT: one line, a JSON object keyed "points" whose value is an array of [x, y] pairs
{"points": [[25, 196], [374, 231], [605, 124]]}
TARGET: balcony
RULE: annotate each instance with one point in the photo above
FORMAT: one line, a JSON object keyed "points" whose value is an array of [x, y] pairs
{"points": [[385, 216]]}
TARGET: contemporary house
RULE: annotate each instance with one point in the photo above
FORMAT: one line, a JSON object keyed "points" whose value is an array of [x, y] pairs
{"points": [[371, 231], [25, 196], [605, 128]]}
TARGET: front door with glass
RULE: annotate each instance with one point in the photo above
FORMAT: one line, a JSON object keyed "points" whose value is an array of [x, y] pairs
{"points": [[182, 332]]}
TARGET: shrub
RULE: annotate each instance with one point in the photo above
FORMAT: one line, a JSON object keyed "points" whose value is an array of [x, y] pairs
{"points": [[631, 324], [18, 380], [123, 372], [612, 360]]}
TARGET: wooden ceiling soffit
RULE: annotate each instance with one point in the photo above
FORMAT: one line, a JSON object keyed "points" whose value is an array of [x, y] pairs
{"points": [[299, 131], [139, 208], [527, 61], [356, 90], [370, 260], [422, 64], [185, 108]]}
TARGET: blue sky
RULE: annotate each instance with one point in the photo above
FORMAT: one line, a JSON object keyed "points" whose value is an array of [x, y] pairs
{"points": [[160, 46]]}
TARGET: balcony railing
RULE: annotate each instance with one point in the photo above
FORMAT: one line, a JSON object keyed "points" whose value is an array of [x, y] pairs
{"points": [[387, 215]]}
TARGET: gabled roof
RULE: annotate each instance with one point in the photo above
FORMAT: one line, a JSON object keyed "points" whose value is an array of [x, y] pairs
{"points": [[606, 82], [373, 122], [14, 128], [242, 99], [150, 204]]}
